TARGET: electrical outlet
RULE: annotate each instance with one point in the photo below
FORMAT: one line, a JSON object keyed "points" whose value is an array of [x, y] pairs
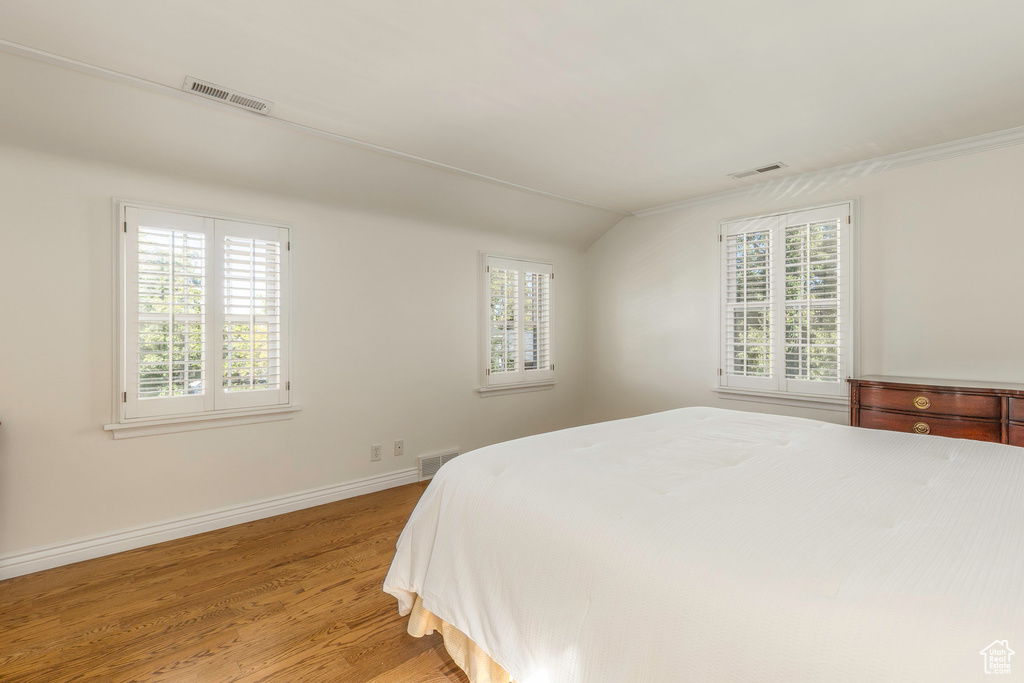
{"points": [[399, 448], [375, 451]]}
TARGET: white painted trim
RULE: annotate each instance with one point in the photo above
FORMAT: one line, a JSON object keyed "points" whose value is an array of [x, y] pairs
{"points": [[945, 150], [485, 255], [501, 389], [813, 180], [152, 86], [217, 215], [849, 307], [130, 429], [123, 427], [58, 554], [834, 403], [116, 293], [505, 384]]}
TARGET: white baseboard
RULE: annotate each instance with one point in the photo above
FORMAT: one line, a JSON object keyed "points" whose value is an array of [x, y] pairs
{"points": [[58, 554]]}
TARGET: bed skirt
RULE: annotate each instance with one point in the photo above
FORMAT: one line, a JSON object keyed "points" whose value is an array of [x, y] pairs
{"points": [[478, 666]]}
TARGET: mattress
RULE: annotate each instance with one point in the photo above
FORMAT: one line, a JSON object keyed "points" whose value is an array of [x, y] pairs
{"points": [[712, 545]]}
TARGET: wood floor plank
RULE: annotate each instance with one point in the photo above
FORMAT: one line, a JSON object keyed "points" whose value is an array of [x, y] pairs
{"points": [[289, 599], [425, 667]]}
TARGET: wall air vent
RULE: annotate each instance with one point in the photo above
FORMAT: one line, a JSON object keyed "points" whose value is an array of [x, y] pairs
{"points": [[430, 464], [760, 169], [227, 96]]}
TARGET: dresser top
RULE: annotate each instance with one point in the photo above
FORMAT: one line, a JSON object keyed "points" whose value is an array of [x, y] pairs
{"points": [[942, 383]]}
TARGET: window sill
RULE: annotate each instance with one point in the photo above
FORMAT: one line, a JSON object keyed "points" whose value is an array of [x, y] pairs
{"points": [[515, 388], [834, 403], [130, 429]]}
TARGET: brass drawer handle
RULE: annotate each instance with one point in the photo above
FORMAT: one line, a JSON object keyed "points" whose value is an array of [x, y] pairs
{"points": [[922, 427], [922, 403]]}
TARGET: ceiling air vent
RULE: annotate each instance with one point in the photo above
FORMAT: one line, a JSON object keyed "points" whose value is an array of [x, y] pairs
{"points": [[227, 96], [760, 169]]}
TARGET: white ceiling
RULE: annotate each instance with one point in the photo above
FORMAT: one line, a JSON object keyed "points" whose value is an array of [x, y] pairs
{"points": [[621, 104]]}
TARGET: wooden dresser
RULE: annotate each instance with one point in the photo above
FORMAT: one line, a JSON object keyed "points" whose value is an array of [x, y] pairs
{"points": [[961, 409]]}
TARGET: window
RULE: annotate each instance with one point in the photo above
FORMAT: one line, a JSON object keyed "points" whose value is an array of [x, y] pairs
{"points": [[787, 293], [517, 323], [203, 305]]}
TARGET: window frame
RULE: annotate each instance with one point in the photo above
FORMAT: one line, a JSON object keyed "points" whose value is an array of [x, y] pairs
{"points": [[777, 388], [529, 380], [210, 416]]}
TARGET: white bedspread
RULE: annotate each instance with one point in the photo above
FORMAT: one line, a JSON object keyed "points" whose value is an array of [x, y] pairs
{"points": [[711, 545]]}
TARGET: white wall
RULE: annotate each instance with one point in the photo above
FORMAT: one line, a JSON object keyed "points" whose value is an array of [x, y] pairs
{"points": [[385, 347], [941, 244]]}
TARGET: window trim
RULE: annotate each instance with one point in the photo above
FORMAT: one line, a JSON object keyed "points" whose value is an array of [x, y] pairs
{"points": [[850, 304], [121, 426], [146, 426], [484, 388]]}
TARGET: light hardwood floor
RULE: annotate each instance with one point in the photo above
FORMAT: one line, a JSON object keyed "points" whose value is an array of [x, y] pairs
{"points": [[292, 598]]}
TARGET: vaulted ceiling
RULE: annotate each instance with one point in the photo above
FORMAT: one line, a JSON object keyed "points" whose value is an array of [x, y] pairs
{"points": [[624, 105]]}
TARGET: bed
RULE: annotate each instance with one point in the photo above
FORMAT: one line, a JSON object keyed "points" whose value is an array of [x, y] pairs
{"points": [[710, 545]]}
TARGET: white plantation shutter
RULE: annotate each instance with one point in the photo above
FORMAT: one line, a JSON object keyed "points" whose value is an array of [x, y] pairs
{"points": [[204, 314], [165, 304], [503, 331], [747, 327], [813, 326], [787, 302], [251, 318], [518, 321], [536, 322]]}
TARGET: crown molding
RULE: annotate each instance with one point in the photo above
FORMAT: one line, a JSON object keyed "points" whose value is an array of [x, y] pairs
{"points": [[152, 86], [816, 179], [802, 182]]}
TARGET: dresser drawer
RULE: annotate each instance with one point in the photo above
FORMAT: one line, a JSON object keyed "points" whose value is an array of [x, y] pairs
{"points": [[1017, 409], [931, 402], [930, 424]]}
